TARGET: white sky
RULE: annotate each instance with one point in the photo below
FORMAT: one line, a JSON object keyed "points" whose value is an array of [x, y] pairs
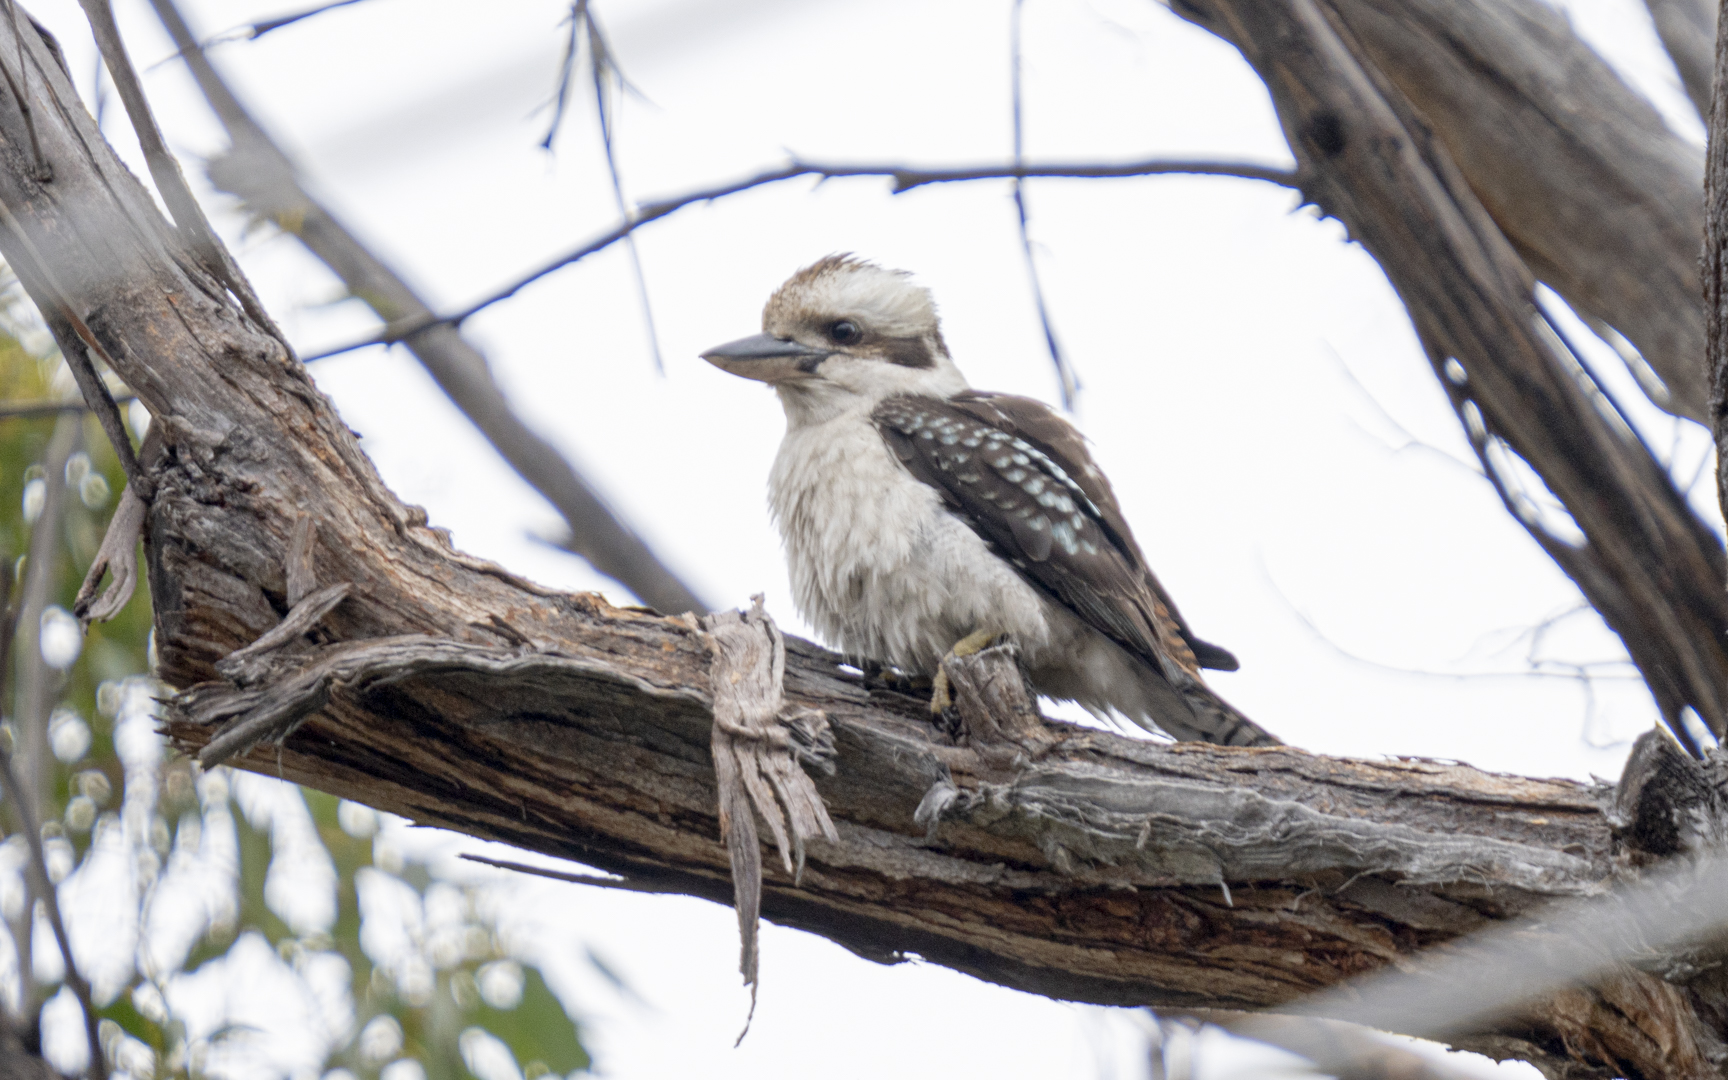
{"points": [[1249, 380]]}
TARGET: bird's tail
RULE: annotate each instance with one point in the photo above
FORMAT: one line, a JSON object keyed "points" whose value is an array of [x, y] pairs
{"points": [[1217, 721], [1207, 717]]}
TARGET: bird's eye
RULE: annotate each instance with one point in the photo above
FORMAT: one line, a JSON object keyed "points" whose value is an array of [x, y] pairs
{"points": [[844, 332]]}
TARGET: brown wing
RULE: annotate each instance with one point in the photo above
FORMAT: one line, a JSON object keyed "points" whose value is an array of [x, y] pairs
{"points": [[1021, 478], [1025, 498], [1041, 426]]}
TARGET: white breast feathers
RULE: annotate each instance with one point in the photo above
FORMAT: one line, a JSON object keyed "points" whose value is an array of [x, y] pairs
{"points": [[879, 567]]}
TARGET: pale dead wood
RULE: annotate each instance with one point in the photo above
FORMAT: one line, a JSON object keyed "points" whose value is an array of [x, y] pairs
{"points": [[757, 745], [301, 570], [1714, 266], [165, 167]]}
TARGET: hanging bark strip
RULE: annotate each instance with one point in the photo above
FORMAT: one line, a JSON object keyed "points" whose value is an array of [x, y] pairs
{"points": [[758, 745]]}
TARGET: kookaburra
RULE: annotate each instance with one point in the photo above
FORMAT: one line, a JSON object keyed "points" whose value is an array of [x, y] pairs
{"points": [[922, 516]]}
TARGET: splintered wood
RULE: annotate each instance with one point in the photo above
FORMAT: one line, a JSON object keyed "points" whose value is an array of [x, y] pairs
{"points": [[758, 744]]}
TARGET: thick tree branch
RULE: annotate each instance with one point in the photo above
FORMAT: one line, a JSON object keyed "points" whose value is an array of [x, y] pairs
{"points": [[1715, 266], [165, 167], [1595, 193], [1060, 860], [258, 171], [1688, 32], [1648, 564]]}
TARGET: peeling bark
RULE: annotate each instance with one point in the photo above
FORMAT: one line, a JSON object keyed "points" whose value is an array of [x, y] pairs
{"points": [[299, 602]]}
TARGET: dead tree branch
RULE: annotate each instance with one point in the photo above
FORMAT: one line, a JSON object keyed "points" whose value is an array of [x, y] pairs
{"points": [[904, 177], [1596, 195], [259, 172], [1059, 860], [1688, 32], [165, 167], [1715, 266], [1648, 564]]}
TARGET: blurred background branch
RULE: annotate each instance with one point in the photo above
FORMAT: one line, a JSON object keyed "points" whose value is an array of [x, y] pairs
{"points": [[257, 170]]}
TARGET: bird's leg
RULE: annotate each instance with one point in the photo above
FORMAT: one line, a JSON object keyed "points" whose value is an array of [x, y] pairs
{"points": [[975, 642]]}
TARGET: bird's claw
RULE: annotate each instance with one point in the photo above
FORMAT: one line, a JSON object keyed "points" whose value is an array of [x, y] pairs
{"points": [[941, 699], [878, 675]]}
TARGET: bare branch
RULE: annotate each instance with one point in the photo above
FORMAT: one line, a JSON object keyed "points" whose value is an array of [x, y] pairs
{"points": [[1596, 194], [1067, 380], [1714, 265], [1371, 159], [1688, 32], [1346, 1051], [24, 789], [257, 170], [165, 168], [905, 179]]}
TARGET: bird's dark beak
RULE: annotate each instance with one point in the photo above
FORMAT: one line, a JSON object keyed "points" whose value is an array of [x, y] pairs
{"points": [[765, 357]]}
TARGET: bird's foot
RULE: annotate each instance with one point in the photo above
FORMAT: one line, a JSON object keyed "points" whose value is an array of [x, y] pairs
{"points": [[941, 700], [878, 675]]}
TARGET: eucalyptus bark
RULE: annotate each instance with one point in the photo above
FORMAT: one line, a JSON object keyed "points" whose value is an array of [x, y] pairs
{"points": [[1375, 158], [1600, 199], [394, 670], [1715, 266]]}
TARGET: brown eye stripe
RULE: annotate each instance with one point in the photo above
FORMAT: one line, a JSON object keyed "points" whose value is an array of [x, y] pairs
{"points": [[912, 352]]}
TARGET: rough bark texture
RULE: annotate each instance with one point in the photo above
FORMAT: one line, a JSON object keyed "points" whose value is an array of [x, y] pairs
{"points": [[1598, 196], [1715, 267], [1060, 860], [1371, 158]]}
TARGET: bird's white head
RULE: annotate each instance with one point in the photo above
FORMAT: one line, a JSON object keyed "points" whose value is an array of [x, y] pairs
{"points": [[843, 334]]}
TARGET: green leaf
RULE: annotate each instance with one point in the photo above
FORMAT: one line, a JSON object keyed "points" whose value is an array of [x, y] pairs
{"points": [[133, 1023], [536, 1030]]}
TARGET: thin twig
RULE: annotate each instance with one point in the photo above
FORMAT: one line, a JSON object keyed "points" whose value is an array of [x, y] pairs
{"points": [[905, 179], [566, 71], [39, 570], [1067, 381], [96, 394], [605, 70], [258, 171], [259, 29], [251, 31], [30, 410], [51, 901], [620, 883]]}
